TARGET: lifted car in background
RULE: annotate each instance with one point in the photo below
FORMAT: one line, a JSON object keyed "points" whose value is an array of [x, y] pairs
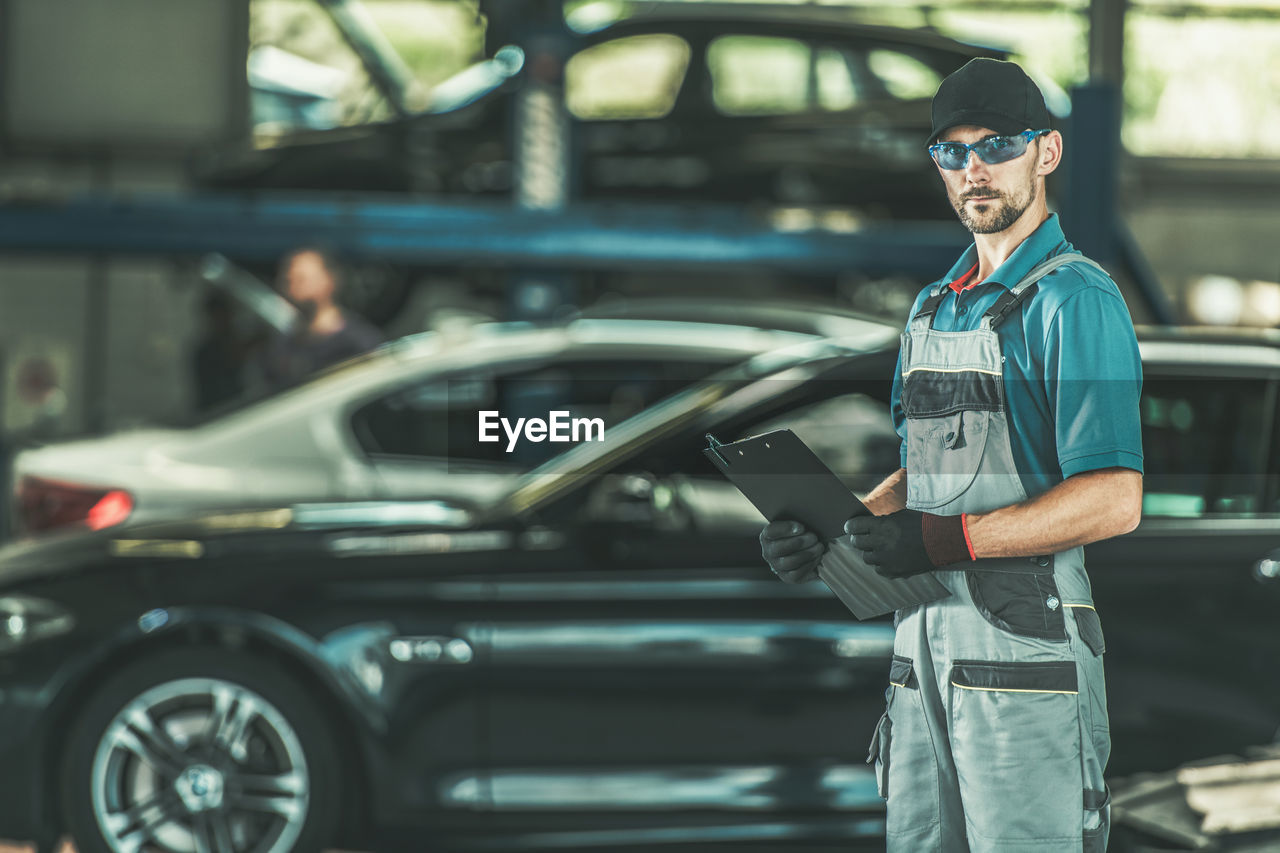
{"points": [[774, 104], [595, 658], [808, 116]]}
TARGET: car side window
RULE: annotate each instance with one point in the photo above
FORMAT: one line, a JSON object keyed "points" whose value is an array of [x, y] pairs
{"points": [[637, 77], [439, 418], [766, 75], [903, 76], [1204, 444], [853, 434]]}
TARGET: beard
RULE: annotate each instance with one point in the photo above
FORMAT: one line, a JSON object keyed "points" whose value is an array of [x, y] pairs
{"points": [[998, 213]]}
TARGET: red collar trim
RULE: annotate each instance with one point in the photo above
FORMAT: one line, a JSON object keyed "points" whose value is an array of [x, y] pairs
{"points": [[957, 285]]}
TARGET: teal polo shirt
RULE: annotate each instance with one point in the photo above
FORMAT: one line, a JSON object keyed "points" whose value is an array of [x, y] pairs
{"points": [[1072, 373]]}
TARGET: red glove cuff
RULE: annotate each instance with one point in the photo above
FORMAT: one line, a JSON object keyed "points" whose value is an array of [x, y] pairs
{"points": [[946, 539]]}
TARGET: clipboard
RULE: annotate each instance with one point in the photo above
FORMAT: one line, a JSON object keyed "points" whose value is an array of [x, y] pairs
{"points": [[785, 479]]}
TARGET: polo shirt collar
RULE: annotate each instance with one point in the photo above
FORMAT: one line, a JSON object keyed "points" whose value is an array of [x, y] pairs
{"points": [[1045, 241]]}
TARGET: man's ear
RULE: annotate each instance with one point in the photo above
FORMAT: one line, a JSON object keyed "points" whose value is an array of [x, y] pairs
{"points": [[1050, 153]]}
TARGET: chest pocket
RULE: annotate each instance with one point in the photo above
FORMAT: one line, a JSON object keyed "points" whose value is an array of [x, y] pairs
{"points": [[950, 450], [951, 390]]}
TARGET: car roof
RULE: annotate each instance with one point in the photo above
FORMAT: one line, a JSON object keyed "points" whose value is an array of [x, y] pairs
{"points": [[843, 21], [1234, 335], [791, 315], [400, 361], [1210, 346], [606, 331]]}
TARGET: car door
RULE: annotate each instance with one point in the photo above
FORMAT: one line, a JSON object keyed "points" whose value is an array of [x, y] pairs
{"points": [[651, 676], [1190, 631], [387, 604]]}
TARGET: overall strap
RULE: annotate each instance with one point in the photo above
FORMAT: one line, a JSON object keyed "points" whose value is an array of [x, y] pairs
{"points": [[1025, 289], [929, 307]]}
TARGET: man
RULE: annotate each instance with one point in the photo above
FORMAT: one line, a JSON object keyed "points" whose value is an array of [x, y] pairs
{"points": [[1016, 398], [326, 334]]}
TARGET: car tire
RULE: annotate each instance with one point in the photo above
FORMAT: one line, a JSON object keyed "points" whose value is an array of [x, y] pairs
{"points": [[201, 749]]}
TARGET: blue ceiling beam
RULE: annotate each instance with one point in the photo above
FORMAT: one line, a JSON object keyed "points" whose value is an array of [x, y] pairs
{"points": [[263, 226]]}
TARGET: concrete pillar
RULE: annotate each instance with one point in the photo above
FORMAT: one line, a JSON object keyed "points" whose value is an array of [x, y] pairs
{"points": [[1106, 41]]}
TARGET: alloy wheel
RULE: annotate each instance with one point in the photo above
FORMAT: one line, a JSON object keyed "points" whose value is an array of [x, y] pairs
{"points": [[200, 765]]}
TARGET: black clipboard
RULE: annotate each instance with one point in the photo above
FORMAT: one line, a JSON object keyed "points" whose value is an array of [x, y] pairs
{"points": [[785, 479]]}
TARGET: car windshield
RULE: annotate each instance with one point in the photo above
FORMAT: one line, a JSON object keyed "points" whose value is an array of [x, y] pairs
{"points": [[755, 381]]}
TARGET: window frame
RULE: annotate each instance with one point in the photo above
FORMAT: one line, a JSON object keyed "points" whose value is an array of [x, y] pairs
{"points": [[1172, 371]]}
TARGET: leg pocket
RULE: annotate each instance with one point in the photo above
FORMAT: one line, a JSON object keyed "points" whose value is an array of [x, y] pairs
{"points": [[1097, 819], [878, 754], [1016, 739], [1095, 738], [901, 677], [1022, 603], [907, 767], [1090, 628]]}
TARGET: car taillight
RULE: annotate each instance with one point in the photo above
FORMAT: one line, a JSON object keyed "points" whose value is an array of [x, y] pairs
{"points": [[114, 508], [47, 504]]}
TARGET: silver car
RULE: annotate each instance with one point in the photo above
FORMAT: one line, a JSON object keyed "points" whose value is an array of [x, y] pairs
{"points": [[389, 424]]}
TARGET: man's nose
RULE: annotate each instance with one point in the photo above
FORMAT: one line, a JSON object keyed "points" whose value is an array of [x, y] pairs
{"points": [[974, 168]]}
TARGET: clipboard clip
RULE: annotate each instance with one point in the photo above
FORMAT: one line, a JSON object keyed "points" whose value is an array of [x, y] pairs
{"points": [[714, 446]]}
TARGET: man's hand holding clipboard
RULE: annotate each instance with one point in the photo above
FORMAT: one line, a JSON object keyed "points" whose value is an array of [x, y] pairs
{"points": [[787, 482]]}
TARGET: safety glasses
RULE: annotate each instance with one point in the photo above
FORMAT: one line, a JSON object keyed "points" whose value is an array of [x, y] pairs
{"points": [[992, 150]]}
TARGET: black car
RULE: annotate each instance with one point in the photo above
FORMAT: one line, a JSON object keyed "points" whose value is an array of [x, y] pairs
{"points": [[705, 102], [598, 660]]}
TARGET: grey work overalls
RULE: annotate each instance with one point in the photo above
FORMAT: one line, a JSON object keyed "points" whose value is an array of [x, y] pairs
{"points": [[995, 736]]}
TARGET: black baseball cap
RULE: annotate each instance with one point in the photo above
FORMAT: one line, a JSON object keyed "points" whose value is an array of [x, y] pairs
{"points": [[989, 93]]}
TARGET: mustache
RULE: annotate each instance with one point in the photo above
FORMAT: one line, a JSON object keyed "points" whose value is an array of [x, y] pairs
{"points": [[982, 194]]}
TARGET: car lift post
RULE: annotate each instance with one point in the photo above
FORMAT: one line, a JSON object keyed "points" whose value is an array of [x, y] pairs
{"points": [[541, 143], [1091, 204]]}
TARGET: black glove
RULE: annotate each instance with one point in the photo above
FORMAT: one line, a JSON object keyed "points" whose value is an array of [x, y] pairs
{"points": [[909, 542], [791, 551]]}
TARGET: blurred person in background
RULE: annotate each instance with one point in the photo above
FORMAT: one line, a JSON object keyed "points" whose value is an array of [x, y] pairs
{"points": [[1016, 399], [325, 333], [42, 399], [42, 417]]}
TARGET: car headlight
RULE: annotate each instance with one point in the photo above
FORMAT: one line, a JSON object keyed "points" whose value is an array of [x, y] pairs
{"points": [[24, 619]]}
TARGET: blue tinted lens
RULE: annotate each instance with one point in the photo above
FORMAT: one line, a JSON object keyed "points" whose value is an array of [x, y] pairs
{"points": [[998, 149], [992, 150], [950, 155]]}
